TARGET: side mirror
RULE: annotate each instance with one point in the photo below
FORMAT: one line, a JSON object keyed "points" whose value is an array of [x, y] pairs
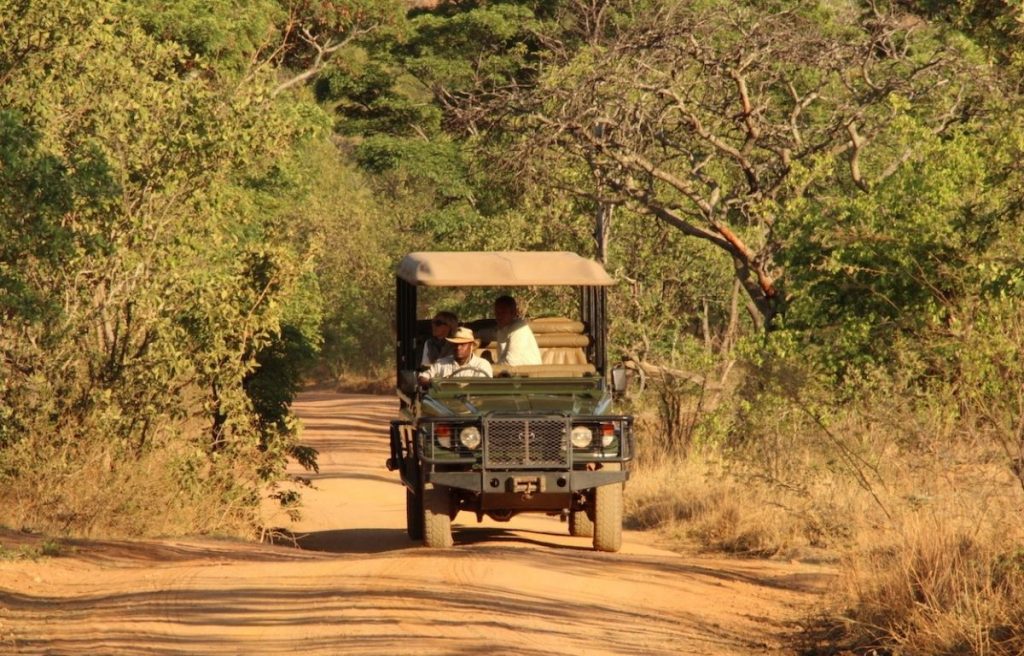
{"points": [[623, 375], [620, 380]]}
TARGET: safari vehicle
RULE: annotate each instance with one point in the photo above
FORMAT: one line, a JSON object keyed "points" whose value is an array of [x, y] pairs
{"points": [[539, 438]]}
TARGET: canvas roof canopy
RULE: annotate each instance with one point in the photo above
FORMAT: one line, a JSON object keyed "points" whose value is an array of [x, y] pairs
{"points": [[501, 269]]}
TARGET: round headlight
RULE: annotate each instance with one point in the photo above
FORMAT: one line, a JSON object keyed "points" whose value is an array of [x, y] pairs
{"points": [[581, 437], [470, 437]]}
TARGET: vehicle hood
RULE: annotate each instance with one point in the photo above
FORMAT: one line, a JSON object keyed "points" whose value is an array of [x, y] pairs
{"points": [[468, 405]]}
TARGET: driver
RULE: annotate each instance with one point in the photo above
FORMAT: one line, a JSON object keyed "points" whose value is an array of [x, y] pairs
{"points": [[463, 363]]}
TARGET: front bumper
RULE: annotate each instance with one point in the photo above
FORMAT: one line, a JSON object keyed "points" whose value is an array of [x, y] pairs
{"points": [[526, 482]]}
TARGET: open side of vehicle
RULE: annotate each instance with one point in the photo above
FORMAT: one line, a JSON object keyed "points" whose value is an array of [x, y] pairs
{"points": [[541, 438]]}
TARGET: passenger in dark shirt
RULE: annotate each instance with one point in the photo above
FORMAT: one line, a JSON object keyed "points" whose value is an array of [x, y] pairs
{"points": [[443, 325]]}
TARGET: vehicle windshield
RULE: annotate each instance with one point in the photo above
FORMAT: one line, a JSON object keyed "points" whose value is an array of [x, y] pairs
{"points": [[479, 396], [507, 384]]}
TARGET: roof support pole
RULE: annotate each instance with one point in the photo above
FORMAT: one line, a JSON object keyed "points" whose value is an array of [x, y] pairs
{"points": [[405, 319]]}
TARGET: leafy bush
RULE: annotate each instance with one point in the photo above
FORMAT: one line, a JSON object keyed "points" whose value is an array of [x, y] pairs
{"points": [[148, 278]]}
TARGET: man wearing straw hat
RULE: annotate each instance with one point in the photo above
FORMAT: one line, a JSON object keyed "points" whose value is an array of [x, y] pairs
{"points": [[462, 364]]}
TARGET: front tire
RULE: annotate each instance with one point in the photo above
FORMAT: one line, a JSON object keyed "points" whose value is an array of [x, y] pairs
{"points": [[608, 518], [437, 518], [580, 525]]}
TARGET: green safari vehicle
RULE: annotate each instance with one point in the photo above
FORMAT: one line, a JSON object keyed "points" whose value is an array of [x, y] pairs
{"points": [[538, 438]]}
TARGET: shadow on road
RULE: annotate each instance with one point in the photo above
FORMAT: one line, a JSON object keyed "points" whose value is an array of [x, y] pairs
{"points": [[355, 540], [382, 540], [501, 536]]}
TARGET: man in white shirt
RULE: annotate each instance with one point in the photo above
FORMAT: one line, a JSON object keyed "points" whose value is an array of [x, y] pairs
{"points": [[516, 343], [463, 364]]}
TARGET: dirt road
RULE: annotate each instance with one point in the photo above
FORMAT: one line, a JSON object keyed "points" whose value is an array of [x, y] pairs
{"points": [[359, 586]]}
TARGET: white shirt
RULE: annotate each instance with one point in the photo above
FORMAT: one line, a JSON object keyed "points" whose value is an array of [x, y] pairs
{"points": [[517, 345], [448, 367]]}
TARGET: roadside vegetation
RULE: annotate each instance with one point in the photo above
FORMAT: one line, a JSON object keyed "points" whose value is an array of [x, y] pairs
{"points": [[813, 210], [47, 549]]}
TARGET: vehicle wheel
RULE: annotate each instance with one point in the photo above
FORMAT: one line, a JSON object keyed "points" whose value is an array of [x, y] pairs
{"points": [[413, 514], [437, 519], [580, 525], [608, 517]]}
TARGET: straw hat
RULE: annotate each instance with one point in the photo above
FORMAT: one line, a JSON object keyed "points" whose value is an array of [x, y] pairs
{"points": [[462, 336]]}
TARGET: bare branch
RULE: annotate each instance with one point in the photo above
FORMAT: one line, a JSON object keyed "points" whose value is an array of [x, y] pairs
{"points": [[704, 133], [324, 52], [856, 143]]}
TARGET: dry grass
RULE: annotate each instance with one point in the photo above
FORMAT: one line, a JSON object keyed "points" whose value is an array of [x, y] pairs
{"points": [[369, 380], [937, 589], [694, 502], [374, 382], [91, 488], [383, 384], [922, 514]]}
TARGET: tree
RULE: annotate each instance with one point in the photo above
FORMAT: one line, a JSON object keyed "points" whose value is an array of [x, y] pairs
{"points": [[150, 277], [314, 32], [718, 118]]}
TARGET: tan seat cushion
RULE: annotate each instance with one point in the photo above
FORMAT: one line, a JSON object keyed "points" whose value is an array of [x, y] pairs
{"points": [[563, 356], [545, 325], [562, 340]]}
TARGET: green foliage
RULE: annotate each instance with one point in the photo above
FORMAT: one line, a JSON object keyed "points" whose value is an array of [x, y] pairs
{"points": [[342, 15], [39, 192], [417, 186], [223, 33], [368, 98], [46, 549], [666, 269], [487, 44], [867, 269], [997, 25], [156, 303], [357, 239]]}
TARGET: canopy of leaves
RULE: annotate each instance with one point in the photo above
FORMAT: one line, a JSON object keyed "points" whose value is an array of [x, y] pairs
{"points": [[149, 264]]}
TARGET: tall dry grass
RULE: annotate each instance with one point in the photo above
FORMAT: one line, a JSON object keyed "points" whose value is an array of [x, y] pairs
{"points": [[97, 486], [917, 504], [935, 588], [696, 502]]}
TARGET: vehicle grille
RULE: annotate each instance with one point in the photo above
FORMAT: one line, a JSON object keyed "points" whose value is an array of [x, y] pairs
{"points": [[526, 443]]}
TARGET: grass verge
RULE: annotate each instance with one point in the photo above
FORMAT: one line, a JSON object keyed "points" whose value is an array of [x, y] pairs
{"points": [[928, 542]]}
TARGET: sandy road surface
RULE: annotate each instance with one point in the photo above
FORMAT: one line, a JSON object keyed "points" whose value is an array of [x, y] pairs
{"points": [[360, 586]]}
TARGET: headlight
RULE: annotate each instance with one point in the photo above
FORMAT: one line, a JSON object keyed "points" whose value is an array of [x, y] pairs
{"points": [[581, 437], [443, 435], [607, 434], [470, 437]]}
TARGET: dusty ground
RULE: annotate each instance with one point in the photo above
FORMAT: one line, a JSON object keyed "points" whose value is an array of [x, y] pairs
{"points": [[360, 586]]}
